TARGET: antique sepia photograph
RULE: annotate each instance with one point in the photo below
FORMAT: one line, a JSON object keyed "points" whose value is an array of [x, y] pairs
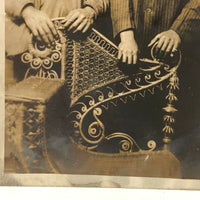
{"points": [[101, 93]]}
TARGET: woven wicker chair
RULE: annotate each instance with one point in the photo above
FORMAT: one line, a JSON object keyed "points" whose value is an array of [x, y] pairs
{"points": [[80, 80]]}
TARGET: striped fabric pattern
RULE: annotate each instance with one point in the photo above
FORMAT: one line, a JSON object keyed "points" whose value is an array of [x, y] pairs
{"points": [[99, 6], [150, 17]]}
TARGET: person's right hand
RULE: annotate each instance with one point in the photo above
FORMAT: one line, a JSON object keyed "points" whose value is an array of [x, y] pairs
{"points": [[79, 19], [39, 24], [128, 48]]}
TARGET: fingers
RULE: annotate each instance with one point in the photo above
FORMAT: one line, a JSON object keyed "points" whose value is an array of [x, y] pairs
{"points": [[40, 25], [71, 13], [124, 57], [81, 26], [87, 27], [45, 34], [76, 22], [44, 31], [169, 48], [128, 50], [135, 58], [52, 28], [132, 58], [122, 54], [48, 33], [119, 54], [162, 51], [70, 19], [67, 17], [155, 39], [129, 57], [165, 45], [35, 32], [159, 44], [42, 35], [175, 47], [167, 42], [79, 20]]}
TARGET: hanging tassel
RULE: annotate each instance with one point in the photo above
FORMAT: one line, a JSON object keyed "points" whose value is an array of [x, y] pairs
{"points": [[168, 118]]}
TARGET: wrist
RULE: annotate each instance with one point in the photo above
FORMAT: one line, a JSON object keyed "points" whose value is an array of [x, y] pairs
{"points": [[90, 9], [175, 33], [127, 35], [172, 31], [26, 10]]}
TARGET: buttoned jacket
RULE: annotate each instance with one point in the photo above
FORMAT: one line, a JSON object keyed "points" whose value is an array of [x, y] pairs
{"points": [[150, 17]]}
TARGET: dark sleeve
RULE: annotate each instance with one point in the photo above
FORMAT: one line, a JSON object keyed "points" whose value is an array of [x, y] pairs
{"points": [[14, 8], [120, 15], [188, 21], [99, 6]]}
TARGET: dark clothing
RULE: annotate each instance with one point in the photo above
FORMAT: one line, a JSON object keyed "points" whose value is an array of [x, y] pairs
{"points": [[150, 17]]}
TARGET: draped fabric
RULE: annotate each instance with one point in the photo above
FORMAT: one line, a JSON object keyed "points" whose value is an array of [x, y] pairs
{"points": [[18, 35]]}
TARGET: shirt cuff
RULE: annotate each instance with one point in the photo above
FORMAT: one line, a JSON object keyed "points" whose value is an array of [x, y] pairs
{"points": [[14, 9], [99, 6], [121, 25]]}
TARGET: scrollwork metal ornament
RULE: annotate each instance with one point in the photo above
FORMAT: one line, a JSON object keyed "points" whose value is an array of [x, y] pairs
{"points": [[169, 118], [41, 58], [95, 81], [95, 133], [94, 101]]}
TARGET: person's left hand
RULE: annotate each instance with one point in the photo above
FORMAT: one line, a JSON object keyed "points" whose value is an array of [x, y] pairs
{"points": [[79, 19], [166, 42], [128, 48]]}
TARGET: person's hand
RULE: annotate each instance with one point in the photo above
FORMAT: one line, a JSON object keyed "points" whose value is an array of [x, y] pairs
{"points": [[166, 42], [40, 24], [128, 48], [79, 19]]}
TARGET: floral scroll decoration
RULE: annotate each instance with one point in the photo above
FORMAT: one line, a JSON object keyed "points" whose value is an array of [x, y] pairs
{"points": [[170, 110], [95, 135], [45, 61], [173, 85], [86, 108], [90, 132]]}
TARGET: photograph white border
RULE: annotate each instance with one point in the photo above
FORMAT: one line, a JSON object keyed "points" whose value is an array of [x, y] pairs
{"points": [[64, 180]]}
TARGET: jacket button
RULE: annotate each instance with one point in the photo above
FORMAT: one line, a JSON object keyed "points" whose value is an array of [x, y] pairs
{"points": [[149, 10]]}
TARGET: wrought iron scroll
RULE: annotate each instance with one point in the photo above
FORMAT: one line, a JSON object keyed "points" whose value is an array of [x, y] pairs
{"points": [[95, 81], [45, 61], [90, 134]]}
